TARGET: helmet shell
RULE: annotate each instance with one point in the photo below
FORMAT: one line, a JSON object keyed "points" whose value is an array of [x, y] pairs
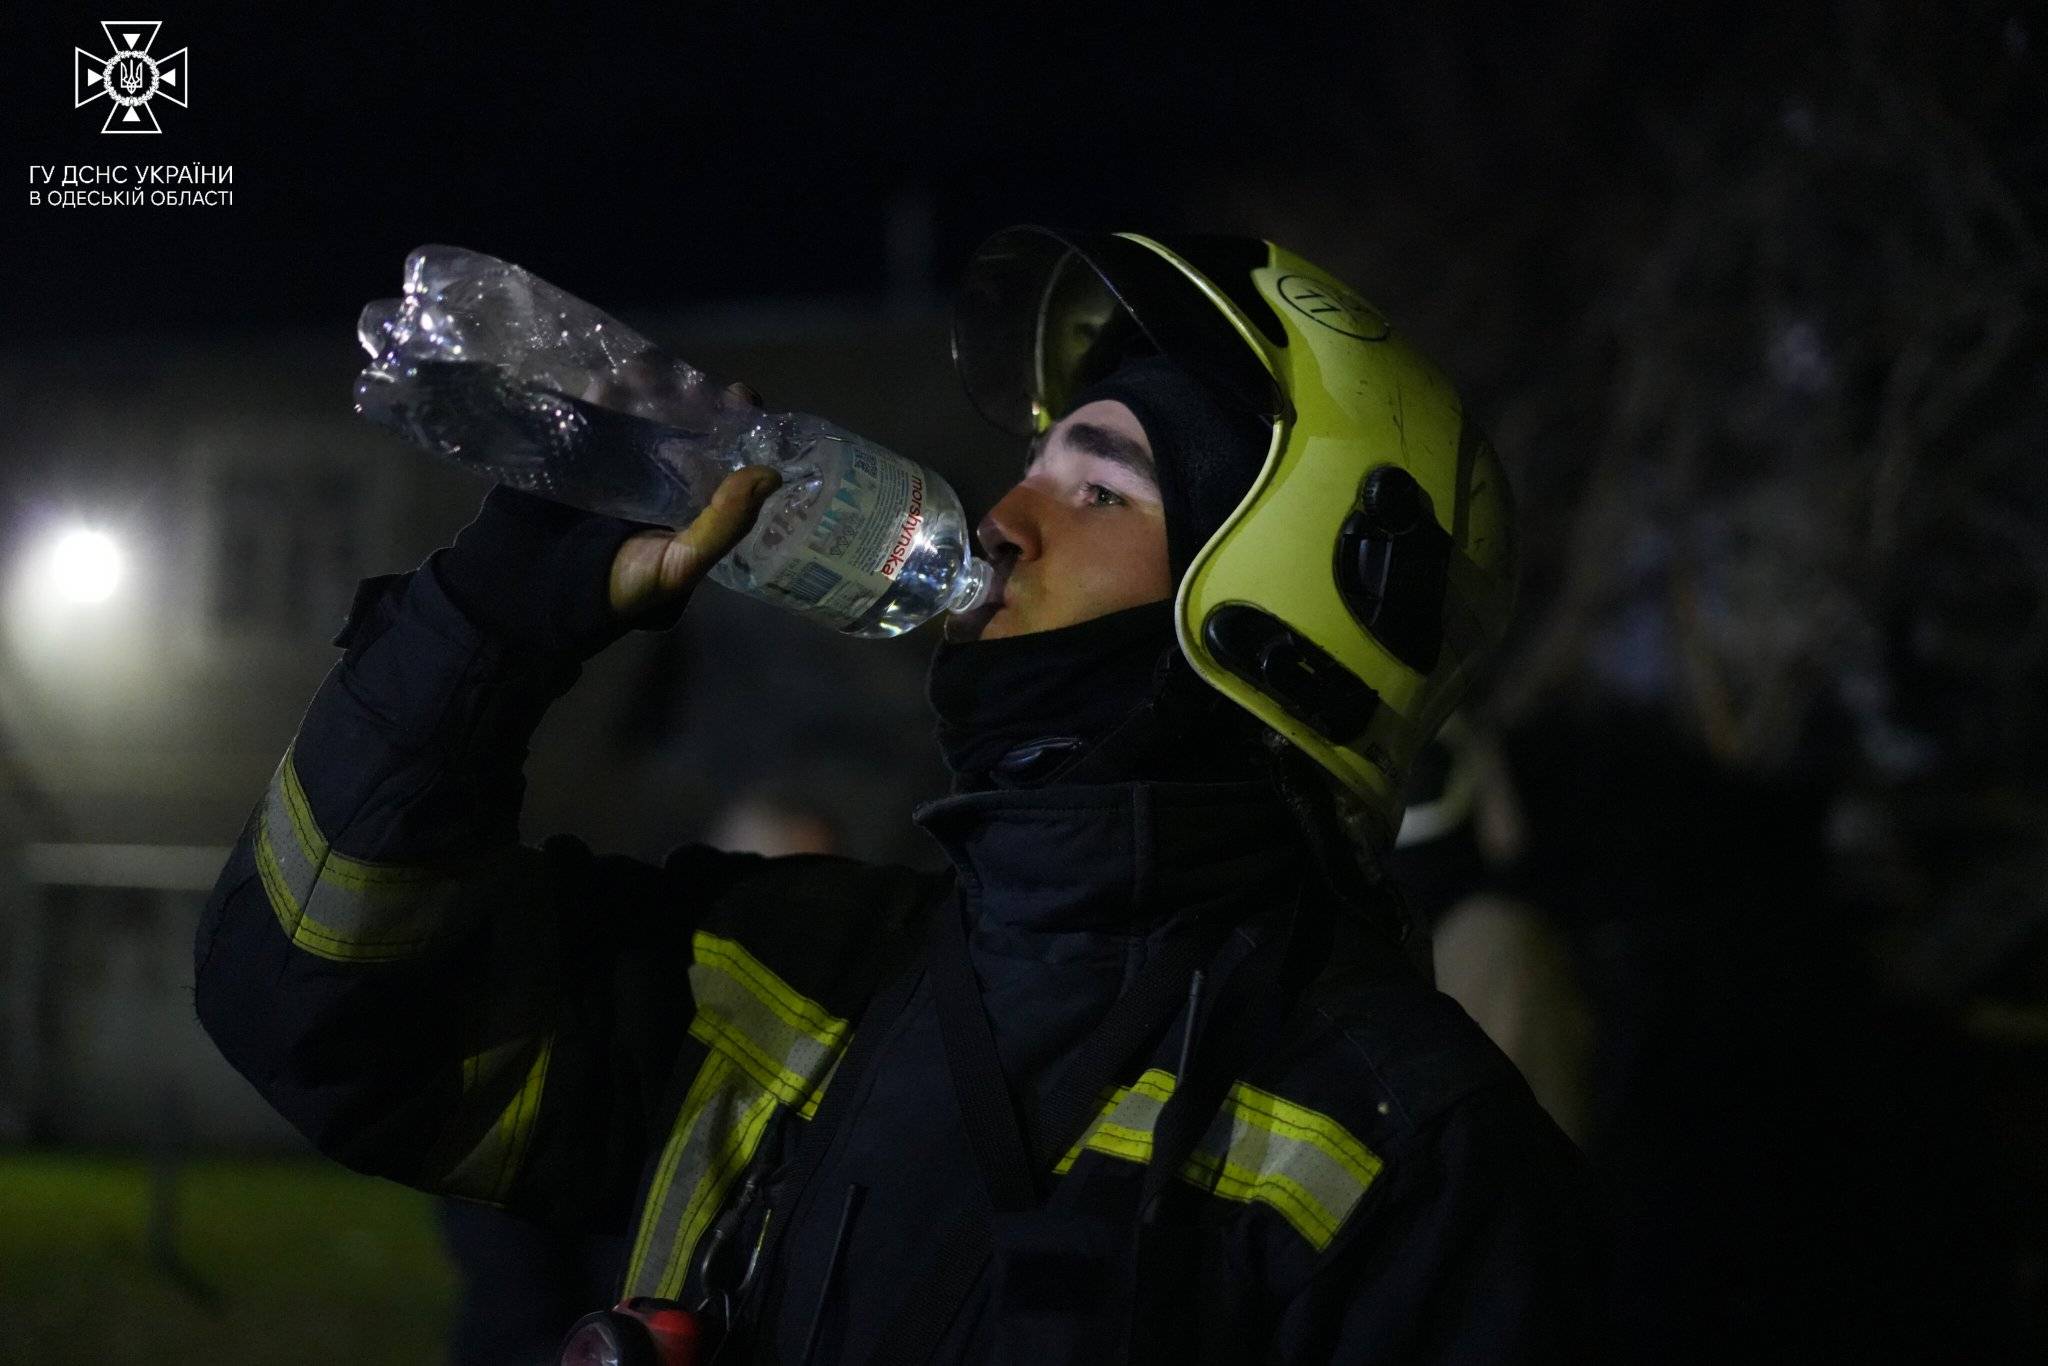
{"points": [[1370, 565]]}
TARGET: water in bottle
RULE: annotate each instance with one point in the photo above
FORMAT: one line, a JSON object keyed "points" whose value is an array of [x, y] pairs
{"points": [[492, 368]]}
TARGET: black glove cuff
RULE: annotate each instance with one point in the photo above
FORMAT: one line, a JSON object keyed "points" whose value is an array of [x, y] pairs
{"points": [[536, 574]]}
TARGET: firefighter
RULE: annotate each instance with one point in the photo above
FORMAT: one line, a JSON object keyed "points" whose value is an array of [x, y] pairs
{"points": [[1154, 1072]]}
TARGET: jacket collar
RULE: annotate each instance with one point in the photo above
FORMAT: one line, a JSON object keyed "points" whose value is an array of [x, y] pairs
{"points": [[1116, 857]]}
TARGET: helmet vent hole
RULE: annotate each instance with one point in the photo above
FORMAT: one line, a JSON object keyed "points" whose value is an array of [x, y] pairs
{"points": [[1393, 562], [1287, 667]]}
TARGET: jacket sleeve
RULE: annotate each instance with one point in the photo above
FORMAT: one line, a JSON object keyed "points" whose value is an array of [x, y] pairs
{"points": [[421, 994], [1486, 1246]]}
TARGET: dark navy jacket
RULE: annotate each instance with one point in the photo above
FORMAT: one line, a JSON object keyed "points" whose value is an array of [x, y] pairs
{"points": [[603, 1044]]}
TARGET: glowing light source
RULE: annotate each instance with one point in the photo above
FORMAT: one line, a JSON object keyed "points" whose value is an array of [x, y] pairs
{"points": [[86, 566]]}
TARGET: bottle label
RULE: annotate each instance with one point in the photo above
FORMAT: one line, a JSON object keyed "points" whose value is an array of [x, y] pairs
{"points": [[870, 527]]}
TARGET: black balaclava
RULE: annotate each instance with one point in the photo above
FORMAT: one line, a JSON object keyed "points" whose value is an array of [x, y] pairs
{"points": [[1207, 454], [1112, 699]]}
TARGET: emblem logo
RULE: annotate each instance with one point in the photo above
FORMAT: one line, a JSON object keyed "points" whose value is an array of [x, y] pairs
{"points": [[1334, 307], [129, 77]]}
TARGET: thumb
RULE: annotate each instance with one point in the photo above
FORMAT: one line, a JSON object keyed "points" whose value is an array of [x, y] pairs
{"points": [[691, 552], [654, 571]]}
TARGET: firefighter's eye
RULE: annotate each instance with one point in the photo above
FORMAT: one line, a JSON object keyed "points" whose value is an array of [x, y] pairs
{"points": [[1102, 496]]}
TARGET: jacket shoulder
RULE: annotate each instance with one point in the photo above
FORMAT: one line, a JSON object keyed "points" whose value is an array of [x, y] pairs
{"points": [[1389, 1054], [1433, 1127]]}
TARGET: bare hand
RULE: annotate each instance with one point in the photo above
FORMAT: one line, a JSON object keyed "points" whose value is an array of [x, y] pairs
{"points": [[655, 570]]}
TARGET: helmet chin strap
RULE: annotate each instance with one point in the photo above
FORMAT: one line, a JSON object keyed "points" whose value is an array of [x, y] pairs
{"points": [[1350, 865]]}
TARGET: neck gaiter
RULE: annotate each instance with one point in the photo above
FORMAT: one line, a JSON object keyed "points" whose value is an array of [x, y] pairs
{"points": [[1011, 711]]}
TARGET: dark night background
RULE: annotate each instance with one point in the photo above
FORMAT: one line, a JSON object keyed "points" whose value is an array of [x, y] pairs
{"points": [[1750, 297]]}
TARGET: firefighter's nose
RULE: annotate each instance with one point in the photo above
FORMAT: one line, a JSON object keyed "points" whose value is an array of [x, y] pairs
{"points": [[1011, 528]]}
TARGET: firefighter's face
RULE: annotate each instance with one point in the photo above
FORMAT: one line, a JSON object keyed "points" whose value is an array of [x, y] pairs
{"points": [[1081, 535]]}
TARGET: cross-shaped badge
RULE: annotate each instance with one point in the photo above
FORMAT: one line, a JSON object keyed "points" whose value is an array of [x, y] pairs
{"points": [[129, 77]]}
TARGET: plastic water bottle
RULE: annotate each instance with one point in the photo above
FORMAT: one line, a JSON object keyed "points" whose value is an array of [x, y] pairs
{"points": [[495, 369]]}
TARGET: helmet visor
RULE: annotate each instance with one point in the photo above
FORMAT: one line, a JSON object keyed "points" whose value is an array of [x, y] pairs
{"points": [[1041, 315]]}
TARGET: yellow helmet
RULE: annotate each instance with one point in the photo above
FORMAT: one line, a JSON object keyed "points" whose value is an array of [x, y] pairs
{"points": [[1369, 565]]}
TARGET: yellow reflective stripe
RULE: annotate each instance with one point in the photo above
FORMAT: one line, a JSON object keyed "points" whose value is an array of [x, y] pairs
{"points": [[1288, 1120], [798, 1012], [767, 1046], [787, 1042], [1234, 1180], [652, 1216], [487, 1171], [1306, 1166], [1133, 1145], [349, 910], [1124, 1139], [789, 1087], [707, 1128], [750, 1112]]}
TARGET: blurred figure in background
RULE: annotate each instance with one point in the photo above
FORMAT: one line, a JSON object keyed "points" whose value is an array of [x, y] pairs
{"points": [[774, 822], [1497, 948], [1773, 720], [1682, 764]]}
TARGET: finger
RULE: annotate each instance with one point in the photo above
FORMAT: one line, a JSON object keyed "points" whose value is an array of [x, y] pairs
{"points": [[730, 515], [744, 391], [636, 571]]}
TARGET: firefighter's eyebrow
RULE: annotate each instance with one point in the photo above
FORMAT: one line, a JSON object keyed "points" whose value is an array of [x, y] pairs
{"points": [[1104, 443]]}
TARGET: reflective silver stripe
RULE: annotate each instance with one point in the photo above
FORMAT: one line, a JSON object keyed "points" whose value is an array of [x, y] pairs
{"points": [[1301, 1163], [348, 910], [486, 1172], [716, 1133], [782, 1040], [768, 1046]]}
